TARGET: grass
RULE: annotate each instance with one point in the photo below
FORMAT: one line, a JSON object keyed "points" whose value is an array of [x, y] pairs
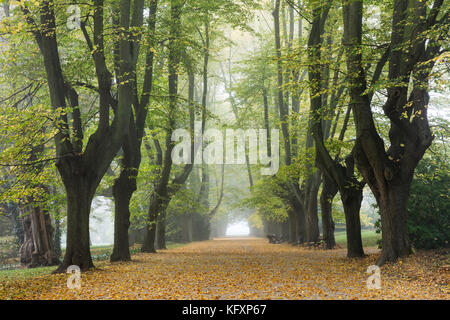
{"points": [[99, 253], [369, 238], [24, 273]]}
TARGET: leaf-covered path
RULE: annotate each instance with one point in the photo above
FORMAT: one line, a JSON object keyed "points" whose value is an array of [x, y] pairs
{"points": [[245, 268]]}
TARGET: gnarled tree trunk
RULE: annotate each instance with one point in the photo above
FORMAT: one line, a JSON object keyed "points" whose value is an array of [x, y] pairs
{"points": [[410, 59], [37, 249], [393, 204]]}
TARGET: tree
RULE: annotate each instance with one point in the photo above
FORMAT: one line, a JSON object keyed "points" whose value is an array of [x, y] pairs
{"points": [[125, 184], [302, 227], [414, 47], [344, 178], [160, 196], [82, 167]]}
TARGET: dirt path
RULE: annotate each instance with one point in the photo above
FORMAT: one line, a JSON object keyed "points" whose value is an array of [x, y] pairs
{"points": [[245, 268]]}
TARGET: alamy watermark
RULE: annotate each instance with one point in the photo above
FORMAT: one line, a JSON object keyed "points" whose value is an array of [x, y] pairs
{"points": [[374, 280], [74, 280], [373, 18], [211, 147], [74, 19]]}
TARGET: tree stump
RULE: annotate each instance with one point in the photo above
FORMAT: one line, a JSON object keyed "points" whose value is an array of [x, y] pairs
{"points": [[37, 249]]}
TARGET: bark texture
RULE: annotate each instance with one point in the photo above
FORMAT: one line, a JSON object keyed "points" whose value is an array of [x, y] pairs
{"points": [[37, 249]]}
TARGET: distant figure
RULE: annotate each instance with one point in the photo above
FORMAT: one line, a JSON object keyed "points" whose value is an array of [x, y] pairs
{"points": [[274, 239]]}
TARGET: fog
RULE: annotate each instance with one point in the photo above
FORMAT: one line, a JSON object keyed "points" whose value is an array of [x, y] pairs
{"points": [[101, 225], [238, 229]]}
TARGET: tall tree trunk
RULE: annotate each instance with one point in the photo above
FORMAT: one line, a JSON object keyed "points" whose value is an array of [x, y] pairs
{"points": [[285, 232], [80, 193], [201, 220], [189, 229], [392, 204], [123, 189], [161, 233], [160, 197], [149, 240], [329, 191], [349, 187], [351, 200], [282, 106], [57, 239], [292, 226], [159, 201], [320, 15], [312, 191], [301, 225], [150, 235], [204, 200], [126, 185]]}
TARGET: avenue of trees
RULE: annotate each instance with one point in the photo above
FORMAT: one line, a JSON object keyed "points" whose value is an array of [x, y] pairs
{"points": [[92, 93]]}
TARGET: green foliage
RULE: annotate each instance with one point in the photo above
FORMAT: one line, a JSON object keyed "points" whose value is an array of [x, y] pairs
{"points": [[256, 221], [265, 198], [429, 205]]}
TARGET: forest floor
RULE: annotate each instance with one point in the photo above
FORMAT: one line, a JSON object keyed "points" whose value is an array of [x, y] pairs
{"points": [[245, 268]]}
